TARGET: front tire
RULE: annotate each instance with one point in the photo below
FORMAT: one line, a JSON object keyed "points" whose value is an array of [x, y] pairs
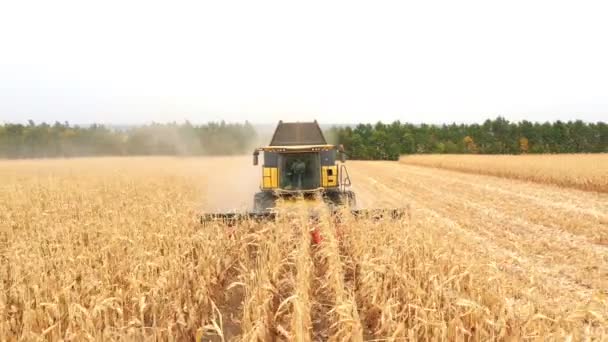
{"points": [[338, 198], [263, 201]]}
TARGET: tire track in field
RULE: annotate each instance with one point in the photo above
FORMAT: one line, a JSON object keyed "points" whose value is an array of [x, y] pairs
{"points": [[454, 195], [459, 198], [573, 217]]}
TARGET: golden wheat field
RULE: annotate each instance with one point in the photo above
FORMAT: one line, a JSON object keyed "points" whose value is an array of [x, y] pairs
{"points": [[581, 171], [112, 249]]}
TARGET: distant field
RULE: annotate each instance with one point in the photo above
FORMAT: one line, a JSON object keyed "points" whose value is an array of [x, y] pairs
{"points": [[112, 249], [581, 171]]}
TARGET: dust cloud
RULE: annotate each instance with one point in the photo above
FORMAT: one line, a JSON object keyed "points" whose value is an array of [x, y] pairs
{"points": [[231, 183]]}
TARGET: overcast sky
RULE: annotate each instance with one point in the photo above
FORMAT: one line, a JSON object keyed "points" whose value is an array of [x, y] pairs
{"points": [[336, 61]]}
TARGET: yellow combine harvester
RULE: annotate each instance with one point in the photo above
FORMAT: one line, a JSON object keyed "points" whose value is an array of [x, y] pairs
{"points": [[299, 164]]}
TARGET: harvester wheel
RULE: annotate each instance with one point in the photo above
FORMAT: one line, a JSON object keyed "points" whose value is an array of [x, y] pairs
{"points": [[263, 201], [349, 199], [338, 198]]}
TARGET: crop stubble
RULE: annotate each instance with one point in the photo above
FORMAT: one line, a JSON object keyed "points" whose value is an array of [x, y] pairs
{"points": [[111, 248]]}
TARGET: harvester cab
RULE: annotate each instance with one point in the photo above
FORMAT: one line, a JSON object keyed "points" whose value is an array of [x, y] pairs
{"points": [[299, 164]]}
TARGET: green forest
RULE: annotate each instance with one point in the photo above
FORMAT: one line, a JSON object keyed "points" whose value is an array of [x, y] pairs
{"points": [[64, 140], [364, 141], [499, 136]]}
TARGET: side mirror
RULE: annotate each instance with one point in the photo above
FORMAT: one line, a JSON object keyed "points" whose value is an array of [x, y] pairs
{"points": [[255, 157]]}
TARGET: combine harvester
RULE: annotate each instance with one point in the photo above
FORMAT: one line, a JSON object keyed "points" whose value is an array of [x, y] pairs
{"points": [[299, 165]]}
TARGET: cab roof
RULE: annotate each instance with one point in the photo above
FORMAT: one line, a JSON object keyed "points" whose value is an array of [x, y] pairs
{"points": [[297, 133]]}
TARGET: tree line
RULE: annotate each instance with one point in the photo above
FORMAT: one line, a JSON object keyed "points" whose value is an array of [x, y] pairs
{"points": [[64, 140], [499, 136], [363, 141]]}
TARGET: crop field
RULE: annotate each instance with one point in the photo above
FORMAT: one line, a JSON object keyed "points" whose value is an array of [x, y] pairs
{"points": [[112, 249], [580, 171]]}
